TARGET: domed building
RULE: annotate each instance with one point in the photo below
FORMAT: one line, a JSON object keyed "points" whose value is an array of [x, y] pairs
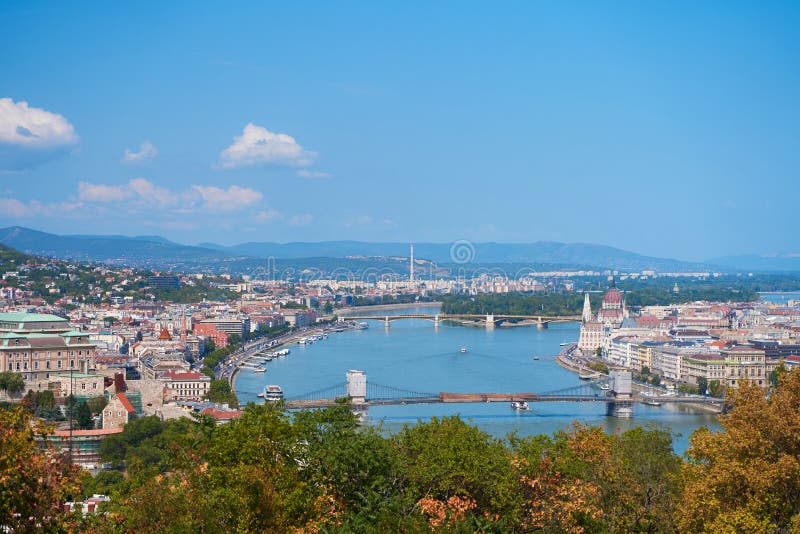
{"points": [[595, 327]]}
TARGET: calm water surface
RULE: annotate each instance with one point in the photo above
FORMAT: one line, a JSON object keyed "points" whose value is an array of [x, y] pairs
{"points": [[413, 355]]}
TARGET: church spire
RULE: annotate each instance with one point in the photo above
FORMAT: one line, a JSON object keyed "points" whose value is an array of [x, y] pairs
{"points": [[587, 308]]}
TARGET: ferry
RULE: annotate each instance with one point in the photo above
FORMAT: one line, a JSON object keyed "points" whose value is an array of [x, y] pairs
{"points": [[519, 405], [272, 393]]}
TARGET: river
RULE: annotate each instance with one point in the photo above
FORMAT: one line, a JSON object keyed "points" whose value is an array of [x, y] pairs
{"points": [[414, 355]]}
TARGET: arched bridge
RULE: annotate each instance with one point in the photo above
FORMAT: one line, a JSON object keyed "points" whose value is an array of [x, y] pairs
{"points": [[489, 320]]}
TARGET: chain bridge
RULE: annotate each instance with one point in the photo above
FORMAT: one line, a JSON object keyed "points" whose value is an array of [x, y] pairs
{"points": [[616, 392]]}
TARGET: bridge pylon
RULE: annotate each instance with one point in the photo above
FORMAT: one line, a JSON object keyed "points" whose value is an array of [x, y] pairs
{"points": [[622, 393], [490, 321], [436, 321], [541, 324], [386, 322]]}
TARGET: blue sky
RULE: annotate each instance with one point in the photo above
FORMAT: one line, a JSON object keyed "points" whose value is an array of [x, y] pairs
{"points": [[667, 128]]}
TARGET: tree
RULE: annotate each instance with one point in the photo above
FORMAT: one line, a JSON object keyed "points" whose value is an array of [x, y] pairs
{"points": [[33, 482], [328, 308], [746, 477], [702, 385], [12, 383], [220, 391], [84, 416]]}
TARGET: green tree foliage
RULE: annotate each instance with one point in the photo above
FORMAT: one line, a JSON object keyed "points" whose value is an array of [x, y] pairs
{"points": [[220, 391], [83, 414], [12, 383]]}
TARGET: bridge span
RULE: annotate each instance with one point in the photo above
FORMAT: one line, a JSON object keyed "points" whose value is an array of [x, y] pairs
{"points": [[489, 320], [615, 392]]}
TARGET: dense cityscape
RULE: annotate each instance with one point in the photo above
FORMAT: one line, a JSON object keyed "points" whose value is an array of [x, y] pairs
{"points": [[397, 267]]}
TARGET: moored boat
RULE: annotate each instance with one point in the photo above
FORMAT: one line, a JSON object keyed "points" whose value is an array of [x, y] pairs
{"points": [[519, 405], [272, 393]]}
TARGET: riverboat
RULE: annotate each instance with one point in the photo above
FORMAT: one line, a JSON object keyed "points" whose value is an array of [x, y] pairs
{"points": [[651, 402], [272, 393], [588, 376], [519, 405]]}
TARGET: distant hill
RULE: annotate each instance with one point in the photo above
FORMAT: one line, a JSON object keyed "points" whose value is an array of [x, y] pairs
{"points": [[760, 263], [573, 254], [157, 252]]}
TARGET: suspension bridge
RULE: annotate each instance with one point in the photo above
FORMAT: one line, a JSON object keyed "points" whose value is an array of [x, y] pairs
{"points": [[615, 392]]}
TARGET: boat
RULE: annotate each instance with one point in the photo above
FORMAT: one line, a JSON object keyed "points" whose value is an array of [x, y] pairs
{"points": [[361, 326], [272, 393], [564, 344], [651, 402], [605, 387], [519, 405], [463, 350], [260, 370], [587, 376], [302, 341], [536, 358]]}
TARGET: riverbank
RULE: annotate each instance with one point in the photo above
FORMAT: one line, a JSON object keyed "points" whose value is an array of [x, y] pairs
{"points": [[287, 339]]}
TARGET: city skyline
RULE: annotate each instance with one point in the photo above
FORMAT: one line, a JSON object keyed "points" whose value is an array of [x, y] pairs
{"points": [[664, 130]]}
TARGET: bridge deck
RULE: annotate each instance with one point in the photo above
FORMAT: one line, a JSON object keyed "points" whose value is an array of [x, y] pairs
{"points": [[503, 397]]}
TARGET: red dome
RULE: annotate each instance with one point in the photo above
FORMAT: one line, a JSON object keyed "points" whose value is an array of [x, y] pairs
{"points": [[614, 296]]}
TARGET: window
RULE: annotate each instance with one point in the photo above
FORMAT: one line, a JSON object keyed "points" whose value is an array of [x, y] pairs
{"points": [[47, 364], [59, 364], [72, 363]]}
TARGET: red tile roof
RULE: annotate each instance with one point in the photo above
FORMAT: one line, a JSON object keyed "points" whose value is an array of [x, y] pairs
{"points": [[126, 403]]}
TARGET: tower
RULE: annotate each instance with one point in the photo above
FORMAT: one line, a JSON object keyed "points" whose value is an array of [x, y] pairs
{"points": [[411, 266], [587, 308]]}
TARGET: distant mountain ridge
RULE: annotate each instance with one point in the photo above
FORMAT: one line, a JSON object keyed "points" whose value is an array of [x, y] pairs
{"points": [[158, 252]]}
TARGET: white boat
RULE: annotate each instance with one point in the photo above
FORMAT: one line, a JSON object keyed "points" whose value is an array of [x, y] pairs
{"points": [[362, 326], [463, 350], [260, 370], [564, 344], [588, 376], [651, 402], [605, 387], [302, 341], [519, 405], [536, 358], [272, 393]]}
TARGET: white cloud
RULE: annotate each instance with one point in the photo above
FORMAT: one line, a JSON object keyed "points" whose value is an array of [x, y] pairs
{"points": [[230, 199], [305, 173], [257, 146], [147, 151], [138, 191], [270, 215], [301, 220], [33, 127], [14, 208], [30, 136], [103, 193]]}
